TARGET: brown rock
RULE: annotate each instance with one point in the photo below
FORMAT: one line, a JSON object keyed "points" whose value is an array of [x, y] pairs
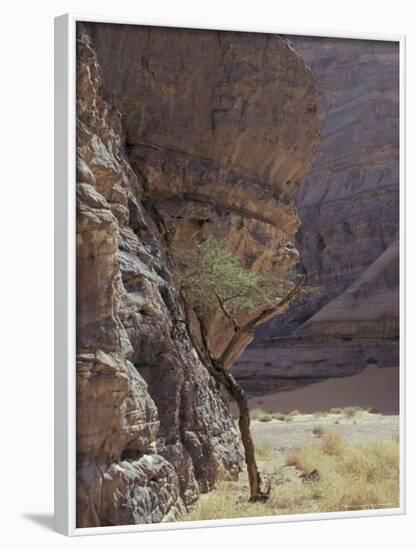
{"points": [[219, 144], [214, 144], [349, 212]]}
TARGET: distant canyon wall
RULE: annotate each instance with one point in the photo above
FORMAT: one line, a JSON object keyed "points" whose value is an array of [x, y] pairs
{"points": [[349, 227]]}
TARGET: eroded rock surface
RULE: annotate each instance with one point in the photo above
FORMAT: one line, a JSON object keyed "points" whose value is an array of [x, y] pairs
{"points": [[152, 428], [348, 238], [186, 133]]}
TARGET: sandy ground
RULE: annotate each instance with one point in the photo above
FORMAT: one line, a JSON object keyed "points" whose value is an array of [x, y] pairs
{"points": [[284, 435], [373, 387], [230, 499]]}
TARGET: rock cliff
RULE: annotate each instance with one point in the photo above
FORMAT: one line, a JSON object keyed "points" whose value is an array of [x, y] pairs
{"points": [[179, 132], [349, 227]]}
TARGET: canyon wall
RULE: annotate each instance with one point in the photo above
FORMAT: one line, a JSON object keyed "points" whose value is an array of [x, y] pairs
{"points": [[181, 134], [349, 227]]}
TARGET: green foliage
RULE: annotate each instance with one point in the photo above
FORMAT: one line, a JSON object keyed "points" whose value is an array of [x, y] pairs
{"points": [[350, 412], [318, 431], [261, 415], [208, 273]]}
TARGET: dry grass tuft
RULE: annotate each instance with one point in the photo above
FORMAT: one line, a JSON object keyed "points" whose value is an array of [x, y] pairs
{"points": [[353, 477], [256, 414], [260, 415], [295, 412], [266, 418], [351, 412], [333, 443], [318, 431], [350, 477]]}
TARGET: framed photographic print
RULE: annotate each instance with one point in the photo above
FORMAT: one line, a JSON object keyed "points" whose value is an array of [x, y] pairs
{"points": [[229, 251]]}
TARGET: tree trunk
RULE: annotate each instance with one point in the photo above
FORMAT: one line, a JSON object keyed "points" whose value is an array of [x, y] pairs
{"points": [[237, 392], [216, 367]]}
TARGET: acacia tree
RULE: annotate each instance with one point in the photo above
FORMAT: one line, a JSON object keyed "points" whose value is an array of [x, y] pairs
{"points": [[208, 277]]}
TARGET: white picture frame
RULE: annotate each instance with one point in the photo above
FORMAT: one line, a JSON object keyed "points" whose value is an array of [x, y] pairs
{"points": [[65, 280]]}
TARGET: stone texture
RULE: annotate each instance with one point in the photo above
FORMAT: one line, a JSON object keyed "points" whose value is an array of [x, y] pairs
{"points": [[221, 96], [185, 133], [218, 143], [152, 428], [348, 238]]}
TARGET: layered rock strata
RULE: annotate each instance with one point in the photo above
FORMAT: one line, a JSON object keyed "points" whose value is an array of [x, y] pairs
{"points": [[178, 132], [348, 238]]}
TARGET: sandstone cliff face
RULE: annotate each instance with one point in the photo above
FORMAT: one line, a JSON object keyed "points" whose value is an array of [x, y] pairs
{"points": [[145, 448], [221, 128], [348, 238], [177, 139]]}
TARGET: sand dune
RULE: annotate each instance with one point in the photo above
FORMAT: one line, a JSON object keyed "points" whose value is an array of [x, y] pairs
{"points": [[373, 387]]}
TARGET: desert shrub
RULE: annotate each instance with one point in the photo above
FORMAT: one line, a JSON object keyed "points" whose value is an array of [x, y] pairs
{"points": [[318, 431], [256, 414], [351, 411], [260, 415], [332, 443], [295, 412], [351, 477], [335, 410], [266, 418]]}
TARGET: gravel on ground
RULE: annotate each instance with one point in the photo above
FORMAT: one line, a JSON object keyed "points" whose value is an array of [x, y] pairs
{"points": [[364, 427]]}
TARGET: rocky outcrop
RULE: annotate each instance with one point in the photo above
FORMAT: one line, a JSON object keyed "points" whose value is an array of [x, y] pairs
{"points": [[152, 428], [348, 238], [219, 144], [184, 133]]}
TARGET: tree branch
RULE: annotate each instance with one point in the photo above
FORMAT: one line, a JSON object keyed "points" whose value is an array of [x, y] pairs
{"points": [[262, 317], [226, 312]]}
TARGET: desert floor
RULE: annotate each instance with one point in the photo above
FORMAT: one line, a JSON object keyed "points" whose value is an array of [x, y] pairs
{"points": [[326, 463], [284, 436]]}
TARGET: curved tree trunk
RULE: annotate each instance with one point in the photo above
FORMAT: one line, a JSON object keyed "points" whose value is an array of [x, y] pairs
{"points": [[237, 392], [219, 369]]}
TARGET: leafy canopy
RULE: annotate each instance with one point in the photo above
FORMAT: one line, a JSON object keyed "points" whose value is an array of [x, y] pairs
{"points": [[210, 274]]}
